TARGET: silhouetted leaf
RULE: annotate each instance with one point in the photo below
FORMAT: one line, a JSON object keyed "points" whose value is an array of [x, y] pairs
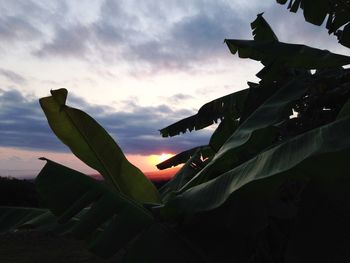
{"points": [[255, 134], [338, 12], [290, 55], [317, 153], [209, 113], [184, 156], [225, 129], [262, 30], [192, 166]]}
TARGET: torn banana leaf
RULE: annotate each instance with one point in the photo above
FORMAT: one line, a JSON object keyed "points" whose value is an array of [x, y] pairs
{"points": [[208, 114]]}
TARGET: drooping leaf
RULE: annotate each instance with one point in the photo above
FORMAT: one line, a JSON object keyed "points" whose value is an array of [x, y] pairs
{"points": [[290, 55], [318, 153], [112, 220], [94, 146], [185, 174], [208, 114], [12, 218], [338, 12], [204, 150], [23, 218], [255, 134]]}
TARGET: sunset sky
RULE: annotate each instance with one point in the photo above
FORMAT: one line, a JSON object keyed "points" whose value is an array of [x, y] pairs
{"points": [[135, 66]]}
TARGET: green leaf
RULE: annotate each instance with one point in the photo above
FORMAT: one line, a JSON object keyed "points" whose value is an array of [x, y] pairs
{"points": [[13, 218], [209, 113], [255, 134], [22, 218], [94, 146], [112, 220], [314, 154]]}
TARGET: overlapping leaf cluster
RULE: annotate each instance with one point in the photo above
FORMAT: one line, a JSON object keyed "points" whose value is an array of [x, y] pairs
{"points": [[336, 13], [270, 186]]}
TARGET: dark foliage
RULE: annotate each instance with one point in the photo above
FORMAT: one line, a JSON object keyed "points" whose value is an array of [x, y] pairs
{"points": [[16, 192]]}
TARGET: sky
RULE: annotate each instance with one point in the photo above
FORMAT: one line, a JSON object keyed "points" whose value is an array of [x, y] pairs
{"points": [[135, 66]]}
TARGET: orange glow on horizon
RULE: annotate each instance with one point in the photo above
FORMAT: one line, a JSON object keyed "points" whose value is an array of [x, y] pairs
{"points": [[155, 159]]}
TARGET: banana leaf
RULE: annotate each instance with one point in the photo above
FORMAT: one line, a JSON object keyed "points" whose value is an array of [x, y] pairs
{"points": [[109, 221], [185, 174], [320, 153], [24, 218], [112, 220], [208, 114], [225, 129], [94, 146], [13, 218], [204, 150], [255, 134], [315, 12], [262, 30], [290, 55]]}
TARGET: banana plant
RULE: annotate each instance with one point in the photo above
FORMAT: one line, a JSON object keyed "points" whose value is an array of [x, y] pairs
{"points": [[337, 13], [270, 186]]}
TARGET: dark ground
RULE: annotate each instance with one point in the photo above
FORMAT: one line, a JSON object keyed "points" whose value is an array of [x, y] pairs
{"points": [[38, 247]]}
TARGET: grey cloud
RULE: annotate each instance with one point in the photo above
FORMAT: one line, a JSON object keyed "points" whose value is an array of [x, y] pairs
{"points": [[197, 37], [152, 35], [16, 28], [22, 124], [71, 41], [128, 32], [13, 76], [177, 98]]}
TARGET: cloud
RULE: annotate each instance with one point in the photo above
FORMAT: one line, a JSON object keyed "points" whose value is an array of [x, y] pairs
{"points": [[70, 41], [153, 35], [23, 125], [194, 38], [169, 35], [17, 28], [13, 76], [126, 31]]}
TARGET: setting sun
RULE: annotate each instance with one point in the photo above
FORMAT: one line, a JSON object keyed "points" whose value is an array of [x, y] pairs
{"points": [[158, 158]]}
